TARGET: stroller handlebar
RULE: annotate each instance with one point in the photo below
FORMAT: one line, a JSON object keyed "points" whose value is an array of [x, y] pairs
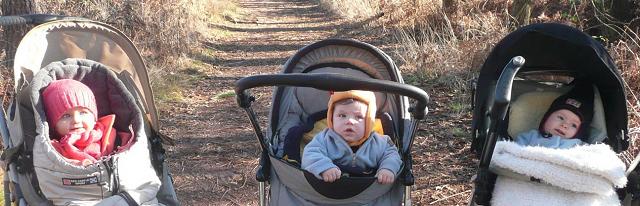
{"points": [[335, 82], [505, 82], [33, 19], [498, 113], [500, 106]]}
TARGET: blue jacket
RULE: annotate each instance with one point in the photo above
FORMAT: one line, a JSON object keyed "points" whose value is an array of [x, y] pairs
{"points": [[534, 138], [328, 150]]}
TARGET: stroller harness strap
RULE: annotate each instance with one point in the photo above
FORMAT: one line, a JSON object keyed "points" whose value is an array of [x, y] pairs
{"points": [[127, 197]]}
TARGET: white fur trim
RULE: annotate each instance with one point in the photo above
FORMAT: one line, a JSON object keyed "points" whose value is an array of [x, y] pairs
{"points": [[589, 168], [510, 191]]}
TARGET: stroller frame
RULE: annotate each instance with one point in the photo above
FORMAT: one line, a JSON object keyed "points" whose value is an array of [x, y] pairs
{"points": [[137, 80], [537, 45], [328, 82]]}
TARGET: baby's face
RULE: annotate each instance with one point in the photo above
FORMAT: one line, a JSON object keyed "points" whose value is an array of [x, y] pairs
{"points": [[563, 123], [349, 120], [75, 120]]}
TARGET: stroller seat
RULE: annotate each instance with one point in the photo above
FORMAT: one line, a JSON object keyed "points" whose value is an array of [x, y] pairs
{"points": [[528, 109], [509, 158], [310, 107], [299, 136], [299, 109], [106, 61], [313, 104], [519, 79]]}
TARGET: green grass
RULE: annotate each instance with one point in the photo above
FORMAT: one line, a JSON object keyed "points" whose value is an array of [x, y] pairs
{"points": [[458, 107], [458, 132], [225, 94], [169, 90], [172, 84], [2, 189]]}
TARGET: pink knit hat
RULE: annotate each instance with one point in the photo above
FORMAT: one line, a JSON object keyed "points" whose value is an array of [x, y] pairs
{"points": [[65, 94]]}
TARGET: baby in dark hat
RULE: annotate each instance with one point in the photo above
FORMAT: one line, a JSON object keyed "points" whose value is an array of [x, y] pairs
{"points": [[566, 122]]}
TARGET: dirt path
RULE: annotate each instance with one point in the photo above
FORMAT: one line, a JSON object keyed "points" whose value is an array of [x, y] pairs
{"points": [[216, 153]]}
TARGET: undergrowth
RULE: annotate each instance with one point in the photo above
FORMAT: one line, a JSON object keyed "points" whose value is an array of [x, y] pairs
{"points": [[164, 31]]}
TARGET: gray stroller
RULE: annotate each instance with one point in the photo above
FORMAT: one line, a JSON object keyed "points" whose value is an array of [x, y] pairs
{"points": [[106, 61], [300, 102]]}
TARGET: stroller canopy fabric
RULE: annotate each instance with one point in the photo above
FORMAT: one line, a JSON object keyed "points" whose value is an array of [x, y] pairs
{"points": [[58, 40]]}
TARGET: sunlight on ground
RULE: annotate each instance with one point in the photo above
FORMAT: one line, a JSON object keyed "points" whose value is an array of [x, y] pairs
{"points": [[2, 187]]}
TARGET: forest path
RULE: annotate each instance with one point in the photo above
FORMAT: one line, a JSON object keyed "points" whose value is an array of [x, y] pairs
{"points": [[214, 160], [216, 153]]}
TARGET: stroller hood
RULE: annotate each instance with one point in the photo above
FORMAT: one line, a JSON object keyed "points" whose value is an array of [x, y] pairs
{"points": [[551, 47], [59, 40]]}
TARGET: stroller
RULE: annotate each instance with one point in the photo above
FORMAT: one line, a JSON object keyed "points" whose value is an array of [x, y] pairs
{"points": [[106, 61], [299, 103], [520, 78]]}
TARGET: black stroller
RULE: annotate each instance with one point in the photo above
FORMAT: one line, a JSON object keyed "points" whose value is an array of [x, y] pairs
{"points": [[105, 60], [525, 71], [299, 102]]}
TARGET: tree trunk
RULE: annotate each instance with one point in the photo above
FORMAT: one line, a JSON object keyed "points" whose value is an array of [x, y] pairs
{"points": [[13, 34], [521, 11]]}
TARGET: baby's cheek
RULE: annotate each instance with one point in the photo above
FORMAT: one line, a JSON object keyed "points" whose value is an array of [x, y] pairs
{"points": [[90, 124]]}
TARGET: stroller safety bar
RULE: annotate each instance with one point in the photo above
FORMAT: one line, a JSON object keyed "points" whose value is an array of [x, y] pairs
{"points": [[33, 19], [336, 82]]}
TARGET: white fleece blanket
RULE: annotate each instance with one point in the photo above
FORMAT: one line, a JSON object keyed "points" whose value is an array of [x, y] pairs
{"points": [[582, 175]]}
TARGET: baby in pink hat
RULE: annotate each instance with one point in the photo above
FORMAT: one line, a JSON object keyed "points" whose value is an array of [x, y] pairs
{"points": [[76, 132]]}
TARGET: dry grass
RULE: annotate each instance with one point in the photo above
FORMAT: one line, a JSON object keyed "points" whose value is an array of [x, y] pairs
{"points": [[352, 9], [442, 47], [165, 31], [161, 29], [627, 57]]}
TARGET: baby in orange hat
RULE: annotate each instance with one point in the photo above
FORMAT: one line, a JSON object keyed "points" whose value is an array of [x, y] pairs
{"points": [[349, 145]]}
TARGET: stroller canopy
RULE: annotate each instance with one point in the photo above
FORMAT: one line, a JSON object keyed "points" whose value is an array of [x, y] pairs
{"points": [[552, 47], [58, 40]]}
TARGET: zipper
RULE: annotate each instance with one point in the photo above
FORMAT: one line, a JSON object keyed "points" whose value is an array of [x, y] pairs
{"points": [[353, 154], [353, 159]]}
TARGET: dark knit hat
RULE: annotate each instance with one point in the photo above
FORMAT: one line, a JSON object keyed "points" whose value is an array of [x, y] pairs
{"points": [[578, 100], [65, 94]]}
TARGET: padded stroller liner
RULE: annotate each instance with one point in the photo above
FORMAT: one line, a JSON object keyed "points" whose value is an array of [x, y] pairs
{"points": [[589, 171], [510, 191], [132, 166]]}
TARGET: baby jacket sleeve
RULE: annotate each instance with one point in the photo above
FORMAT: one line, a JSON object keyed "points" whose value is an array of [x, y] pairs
{"points": [[390, 158], [315, 157]]}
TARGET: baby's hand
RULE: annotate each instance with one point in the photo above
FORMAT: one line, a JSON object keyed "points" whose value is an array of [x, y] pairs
{"points": [[331, 175], [385, 176]]}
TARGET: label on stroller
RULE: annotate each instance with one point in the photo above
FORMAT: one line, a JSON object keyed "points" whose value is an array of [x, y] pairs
{"points": [[80, 181]]}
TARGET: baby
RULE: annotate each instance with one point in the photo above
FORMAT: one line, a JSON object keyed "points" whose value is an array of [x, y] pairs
{"points": [[76, 132], [348, 143], [566, 122]]}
